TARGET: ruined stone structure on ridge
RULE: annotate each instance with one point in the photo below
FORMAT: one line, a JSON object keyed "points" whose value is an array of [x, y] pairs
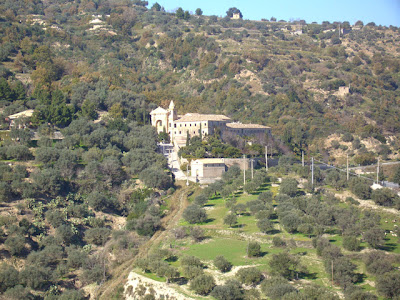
{"points": [[179, 126]]}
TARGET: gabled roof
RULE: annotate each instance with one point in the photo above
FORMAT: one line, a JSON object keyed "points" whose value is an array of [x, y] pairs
{"points": [[193, 117], [246, 126], [23, 114], [158, 110]]}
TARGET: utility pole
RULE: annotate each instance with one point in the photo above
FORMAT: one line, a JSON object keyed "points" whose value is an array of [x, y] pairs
{"points": [[244, 170], [377, 173], [302, 158], [187, 174], [252, 169], [332, 271], [266, 158], [312, 172], [347, 167]]}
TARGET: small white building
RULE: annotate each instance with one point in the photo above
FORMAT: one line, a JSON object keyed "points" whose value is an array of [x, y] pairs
{"points": [[236, 16], [23, 115], [208, 168]]}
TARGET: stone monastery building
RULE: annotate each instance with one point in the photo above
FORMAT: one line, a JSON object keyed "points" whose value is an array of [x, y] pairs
{"points": [[178, 126]]}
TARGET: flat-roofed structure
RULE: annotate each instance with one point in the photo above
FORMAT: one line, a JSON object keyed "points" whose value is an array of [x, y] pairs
{"points": [[207, 168]]}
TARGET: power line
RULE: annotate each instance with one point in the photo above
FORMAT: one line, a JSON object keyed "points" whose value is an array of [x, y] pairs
{"points": [[345, 171]]}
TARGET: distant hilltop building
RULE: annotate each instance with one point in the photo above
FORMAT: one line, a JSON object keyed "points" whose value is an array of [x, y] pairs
{"points": [[236, 16], [193, 124]]}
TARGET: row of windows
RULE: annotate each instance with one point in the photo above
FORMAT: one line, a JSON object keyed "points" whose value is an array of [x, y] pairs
{"points": [[180, 132], [190, 125]]}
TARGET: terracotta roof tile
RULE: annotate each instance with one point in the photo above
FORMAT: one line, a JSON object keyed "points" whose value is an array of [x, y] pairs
{"points": [[246, 126], [193, 117]]}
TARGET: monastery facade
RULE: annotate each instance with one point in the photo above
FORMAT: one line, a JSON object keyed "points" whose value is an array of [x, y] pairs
{"points": [[179, 126]]}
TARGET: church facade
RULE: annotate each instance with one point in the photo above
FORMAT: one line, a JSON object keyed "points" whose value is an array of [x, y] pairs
{"points": [[193, 124]]}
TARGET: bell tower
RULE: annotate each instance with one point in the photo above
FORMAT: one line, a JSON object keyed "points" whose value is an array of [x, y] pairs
{"points": [[172, 116]]}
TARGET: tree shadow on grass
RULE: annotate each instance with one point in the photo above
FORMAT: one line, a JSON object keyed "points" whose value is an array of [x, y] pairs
{"points": [[256, 193], [181, 281], [209, 220], [173, 258], [262, 253], [239, 226], [274, 231], [390, 247], [309, 276], [360, 278], [209, 205]]}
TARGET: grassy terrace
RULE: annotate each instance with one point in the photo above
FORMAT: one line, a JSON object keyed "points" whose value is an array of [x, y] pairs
{"points": [[232, 242]]}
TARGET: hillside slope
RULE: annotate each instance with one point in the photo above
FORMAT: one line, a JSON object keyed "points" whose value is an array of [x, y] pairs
{"points": [[116, 52]]}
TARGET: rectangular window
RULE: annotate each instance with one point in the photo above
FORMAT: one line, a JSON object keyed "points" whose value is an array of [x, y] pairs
{"points": [[180, 132], [175, 125]]}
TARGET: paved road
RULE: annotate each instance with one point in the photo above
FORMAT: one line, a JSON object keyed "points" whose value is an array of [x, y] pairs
{"points": [[173, 164]]}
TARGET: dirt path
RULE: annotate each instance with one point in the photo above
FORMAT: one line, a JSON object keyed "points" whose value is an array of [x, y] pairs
{"points": [[121, 273], [170, 221]]}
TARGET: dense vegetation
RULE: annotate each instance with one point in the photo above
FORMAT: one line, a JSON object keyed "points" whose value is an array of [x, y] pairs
{"points": [[75, 205], [84, 57]]}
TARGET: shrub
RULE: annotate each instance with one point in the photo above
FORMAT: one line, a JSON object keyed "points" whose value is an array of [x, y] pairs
{"points": [[15, 245], [18, 292], [147, 225], [66, 234], [35, 277], [201, 200], [291, 222], [377, 263], [265, 225], [388, 285], [285, 265], [222, 264], [278, 242], [374, 237], [276, 287], [288, 187], [191, 272], [197, 233], [351, 243], [249, 276], [8, 277], [202, 284], [231, 290], [265, 197], [347, 137], [191, 261], [156, 178], [230, 220], [97, 236], [100, 202], [253, 249], [195, 214]]}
